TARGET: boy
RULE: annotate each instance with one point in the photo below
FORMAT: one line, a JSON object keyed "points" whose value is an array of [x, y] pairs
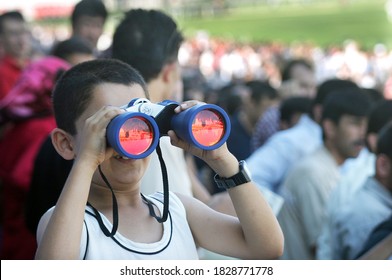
{"points": [[85, 99]]}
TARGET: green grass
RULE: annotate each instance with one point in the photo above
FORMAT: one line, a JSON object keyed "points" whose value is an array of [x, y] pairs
{"points": [[323, 24]]}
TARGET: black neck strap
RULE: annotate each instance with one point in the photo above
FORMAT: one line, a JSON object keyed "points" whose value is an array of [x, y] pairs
{"points": [[165, 181], [149, 204], [115, 209]]}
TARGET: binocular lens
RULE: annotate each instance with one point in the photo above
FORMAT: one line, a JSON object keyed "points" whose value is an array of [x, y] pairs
{"points": [[136, 135], [208, 127]]}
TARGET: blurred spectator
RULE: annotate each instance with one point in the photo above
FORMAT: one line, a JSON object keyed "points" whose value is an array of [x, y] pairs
{"points": [[354, 178], [298, 79], [369, 206], [50, 169], [257, 97], [292, 109], [271, 162], [28, 106], [307, 186], [73, 50], [88, 19], [17, 45]]}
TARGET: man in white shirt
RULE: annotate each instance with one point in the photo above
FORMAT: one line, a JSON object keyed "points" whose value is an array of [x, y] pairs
{"points": [[270, 163], [357, 174], [308, 185]]}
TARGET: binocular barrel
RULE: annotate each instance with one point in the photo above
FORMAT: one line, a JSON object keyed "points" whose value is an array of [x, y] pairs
{"points": [[135, 134]]}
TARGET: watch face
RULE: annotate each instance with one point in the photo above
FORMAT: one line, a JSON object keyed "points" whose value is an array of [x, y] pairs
{"points": [[246, 169]]}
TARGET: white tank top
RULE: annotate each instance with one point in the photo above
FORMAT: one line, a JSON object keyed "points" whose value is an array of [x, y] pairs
{"points": [[176, 243]]}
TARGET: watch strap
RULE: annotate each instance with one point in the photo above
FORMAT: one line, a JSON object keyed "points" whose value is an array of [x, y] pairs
{"points": [[240, 178]]}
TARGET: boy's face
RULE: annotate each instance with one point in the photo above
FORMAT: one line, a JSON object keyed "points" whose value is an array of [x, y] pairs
{"points": [[116, 169]]}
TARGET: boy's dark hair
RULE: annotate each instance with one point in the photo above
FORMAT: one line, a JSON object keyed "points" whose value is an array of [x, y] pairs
{"points": [[15, 15], [293, 105], [74, 89], [349, 101], [260, 89], [286, 71], [379, 116], [146, 40], [74, 45], [384, 142], [93, 8]]}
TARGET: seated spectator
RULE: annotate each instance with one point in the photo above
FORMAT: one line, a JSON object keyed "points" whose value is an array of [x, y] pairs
{"points": [[298, 79], [354, 176], [369, 206], [292, 109], [271, 162], [307, 186]]}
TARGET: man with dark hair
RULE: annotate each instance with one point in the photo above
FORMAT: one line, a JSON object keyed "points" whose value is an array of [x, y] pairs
{"points": [[270, 163], [256, 97], [17, 43], [309, 183], [369, 206], [88, 19], [291, 110], [74, 50], [298, 79], [355, 177], [149, 41]]}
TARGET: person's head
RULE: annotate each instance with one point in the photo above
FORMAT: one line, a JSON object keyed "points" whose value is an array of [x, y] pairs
{"points": [[291, 110], [344, 122], [15, 35], [231, 97], [149, 41], [80, 93], [88, 19], [74, 50], [324, 90], [262, 96], [379, 116], [298, 79], [77, 89], [384, 156]]}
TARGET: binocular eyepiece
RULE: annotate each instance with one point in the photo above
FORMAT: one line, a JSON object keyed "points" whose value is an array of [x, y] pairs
{"points": [[135, 133]]}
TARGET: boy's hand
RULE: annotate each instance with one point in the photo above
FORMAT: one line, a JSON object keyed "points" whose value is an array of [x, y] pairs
{"points": [[93, 143], [218, 159]]}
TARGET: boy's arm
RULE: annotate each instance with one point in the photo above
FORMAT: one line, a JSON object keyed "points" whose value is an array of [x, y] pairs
{"points": [[62, 234], [254, 234]]}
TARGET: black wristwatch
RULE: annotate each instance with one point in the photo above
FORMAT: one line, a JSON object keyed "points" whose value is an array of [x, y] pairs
{"points": [[242, 177]]}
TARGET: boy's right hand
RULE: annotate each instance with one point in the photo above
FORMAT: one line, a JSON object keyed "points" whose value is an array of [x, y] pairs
{"points": [[91, 138]]}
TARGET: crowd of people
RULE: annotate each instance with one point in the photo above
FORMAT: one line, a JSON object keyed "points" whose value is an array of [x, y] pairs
{"points": [[312, 125]]}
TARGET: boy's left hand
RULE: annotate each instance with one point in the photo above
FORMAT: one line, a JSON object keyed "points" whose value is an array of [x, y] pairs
{"points": [[214, 158]]}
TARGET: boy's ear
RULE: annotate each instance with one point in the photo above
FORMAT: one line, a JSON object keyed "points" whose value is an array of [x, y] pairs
{"points": [[63, 143]]}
